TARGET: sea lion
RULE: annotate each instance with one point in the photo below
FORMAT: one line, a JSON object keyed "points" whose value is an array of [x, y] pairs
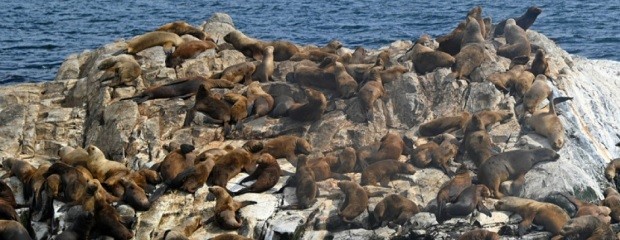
{"points": [[471, 30], [306, 189], [586, 208], [517, 44], [509, 79], [259, 102], [225, 210], [436, 154], [187, 50], [539, 91], [355, 200], [488, 118], [392, 73], [612, 168], [479, 234], [11, 229], [230, 236], [287, 146], [451, 189], [123, 67], [370, 92], [548, 215], [100, 167], [194, 177], [238, 72], [283, 50], [478, 146], [384, 171], [540, 64], [265, 69], [267, 175], [444, 124], [151, 39], [313, 55], [250, 47], [511, 165], [183, 231], [7, 203], [471, 54], [346, 161], [108, 221], [346, 84], [548, 124], [392, 146], [321, 167], [73, 156], [310, 111], [181, 28], [135, 196], [451, 43], [394, 209], [425, 59], [612, 201], [470, 199], [80, 228], [73, 183], [216, 110], [358, 56], [239, 108], [183, 88], [176, 162], [525, 21], [231, 164], [588, 227]]}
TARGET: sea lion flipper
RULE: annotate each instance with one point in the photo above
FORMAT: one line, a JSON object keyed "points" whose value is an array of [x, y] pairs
{"points": [[526, 223], [158, 193]]}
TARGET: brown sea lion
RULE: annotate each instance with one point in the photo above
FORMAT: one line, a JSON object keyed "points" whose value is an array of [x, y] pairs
{"points": [[283, 50], [444, 124], [612, 201], [588, 227], [321, 167], [182, 88], [216, 110], [478, 146], [230, 236], [525, 21], [239, 108], [176, 162], [539, 91], [586, 208], [392, 146], [231, 164], [394, 209], [260, 103], [470, 35], [517, 44], [346, 84], [151, 39], [267, 175], [548, 124], [73, 183], [470, 199], [265, 69], [250, 47], [11, 229], [425, 59], [505, 80], [100, 167], [369, 93], [451, 189], [540, 64], [135, 196], [472, 50], [355, 200], [451, 43], [194, 177], [108, 221], [313, 55], [226, 208], [185, 230], [436, 154], [479, 234], [310, 111], [488, 117], [384, 171], [187, 50], [548, 215], [6, 194], [358, 56], [7, 203], [346, 161], [392, 73], [238, 72], [306, 189], [80, 228], [612, 168], [316, 76], [181, 28], [73, 156], [123, 67], [287, 146], [511, 165], [281, 106]]}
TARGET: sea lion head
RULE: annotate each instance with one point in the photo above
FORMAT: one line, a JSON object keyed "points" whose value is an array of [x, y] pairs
{"points": [[334, 44], [483, 191], [253, 146], [302, 146], [610, 174], [407, 168], [93, 152], [217, 191], [186, 148], [269, 50], [545, 154], [535, 11]]}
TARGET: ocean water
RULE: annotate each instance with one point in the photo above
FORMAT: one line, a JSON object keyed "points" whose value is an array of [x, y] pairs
{"points": [[36, 35]]}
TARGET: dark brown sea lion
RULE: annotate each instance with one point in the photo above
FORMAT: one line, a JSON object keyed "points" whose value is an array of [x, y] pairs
{"points": [[7, 203], [588, 227], [470, 199], [181, 28], [444, 124], [216, 110], [123, 67], [346, 161], [167, 40], [321, 167], [511, 165], [450, 190], [231, 164], [194, 177], [355, 200], [517, 44], [225, 210], [238, 72], [176, 162], [370, 92], [182, 88], [436, 154], [525, 21], [392, 146], [135, 196], [451, 43], [283, 50], [287, 146], [548, 215], [80, 228], [586, 208], [281, 106], [187, 50], [425, 59], [346, 84], [540, 64], [306, 189], [239, 108], [310, 111], [250, 47], [108, 221], [267, 175], [384, 171], [479, 234], [394, 209], [11, 229]]}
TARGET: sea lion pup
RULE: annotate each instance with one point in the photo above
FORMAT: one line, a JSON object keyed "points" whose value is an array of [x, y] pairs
{"points": [[471, 54], [369, 93], [539, 91], [124, 67], [239, 108], [310, 111], [511, 165], [187, 50], [392, 210], [525, 21], [588, 227], [231, 164], [181, 28], [470, 199], [425, 59], [517, 44], [281, 106], [479, 234], [384, 171], [182, 88], [540, 64], [250, 47], [238, 72], [100, 167], [216, 110], [265, 69], [230, 236], [11, 229], [183, 231], [226, 208], [548, 124], [548, 215], [73, 156], [586, 208], [392, 146], [151, 39], [612, 201], [451, 43], [444, 125], [450, 190], [287, 146], [267, 175], [355, 200], [259, 102], [346, 84], [134, 195], [436, 154], [505, 80]]}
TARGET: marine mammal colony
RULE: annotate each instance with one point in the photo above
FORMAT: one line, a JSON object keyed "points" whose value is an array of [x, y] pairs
{"points": [[89, 183]]}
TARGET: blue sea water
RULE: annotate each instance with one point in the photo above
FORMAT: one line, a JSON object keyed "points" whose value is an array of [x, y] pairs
{"points": [[36, 35]]}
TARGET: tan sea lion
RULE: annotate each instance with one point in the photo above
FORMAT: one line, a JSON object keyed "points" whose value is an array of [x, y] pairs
{"points": [[548, 215], [525, 21], [310, 111], [586, 208], [479, 234], [471, 30], [100, 167], [225, 210], [151, 39], [612, 168], [238, 72], [394, 209], [182, 88], [250, 47], [322, 169], [539, 91], [470, 199], [548, 124], [478, 146], [384, 171], [511, 165], [181, 28], [346, 84], [73, 156], [287, 146], [436, 154], [588, 227], [425, 59], [185, 230], [259, 102], [612, 201], [215, 109], [123, 67], [267, 175], [517, 44], [265, 69], [355, 200]]}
